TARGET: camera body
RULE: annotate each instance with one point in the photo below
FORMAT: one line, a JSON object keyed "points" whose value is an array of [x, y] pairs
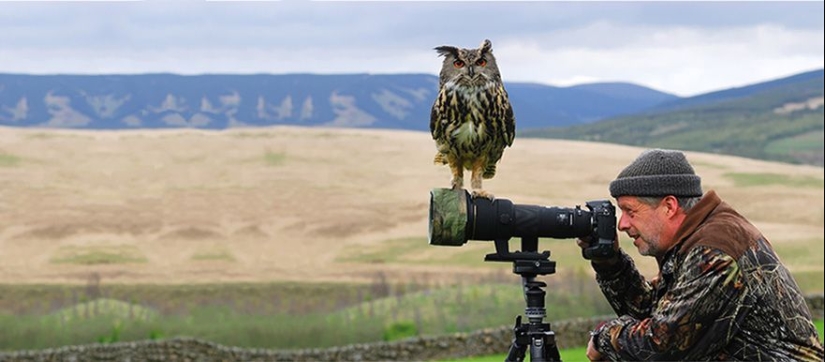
{"points": [[455, 217]]}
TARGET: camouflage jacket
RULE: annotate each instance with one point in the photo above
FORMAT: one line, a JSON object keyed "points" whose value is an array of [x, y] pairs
{"points": [[721, 294]]}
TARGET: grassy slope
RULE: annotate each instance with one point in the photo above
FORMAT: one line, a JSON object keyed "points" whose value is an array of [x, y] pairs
{"points": [[748, 127], [297, 204], [140, 209]]}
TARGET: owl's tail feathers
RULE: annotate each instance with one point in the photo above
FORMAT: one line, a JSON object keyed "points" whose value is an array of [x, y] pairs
{"points": [[489, 171]]}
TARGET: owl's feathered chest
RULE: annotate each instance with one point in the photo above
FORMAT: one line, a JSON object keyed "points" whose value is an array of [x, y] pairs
{"points": [[467, 112], [472, 96]]}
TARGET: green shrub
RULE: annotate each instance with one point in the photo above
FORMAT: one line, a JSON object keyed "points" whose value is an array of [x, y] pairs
{"points": [[400, 330], [155, 334], [114, 335]]}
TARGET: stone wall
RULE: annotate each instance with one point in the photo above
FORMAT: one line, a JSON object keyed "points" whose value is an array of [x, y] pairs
{"points": [[569, 333]]}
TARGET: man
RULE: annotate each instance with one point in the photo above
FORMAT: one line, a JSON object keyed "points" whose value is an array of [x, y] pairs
{"points": [[721, 293]]}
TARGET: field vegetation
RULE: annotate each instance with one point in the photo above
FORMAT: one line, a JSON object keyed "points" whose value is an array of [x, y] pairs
{"points": [[277, 315]]}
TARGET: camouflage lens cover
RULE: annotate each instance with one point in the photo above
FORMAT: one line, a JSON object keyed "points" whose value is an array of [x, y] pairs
{"points": [[448, 217]]}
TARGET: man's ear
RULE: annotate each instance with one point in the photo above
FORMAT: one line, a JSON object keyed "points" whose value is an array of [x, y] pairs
{"points": [[671, 204]]}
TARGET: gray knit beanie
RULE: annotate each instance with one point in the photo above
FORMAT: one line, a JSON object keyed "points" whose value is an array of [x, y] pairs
{"points": [[657, 172]]}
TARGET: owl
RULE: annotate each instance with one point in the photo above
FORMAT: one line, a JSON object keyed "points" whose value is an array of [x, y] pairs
{"points": [[471, 120]]}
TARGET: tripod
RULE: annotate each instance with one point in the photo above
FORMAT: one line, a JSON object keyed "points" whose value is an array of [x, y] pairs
{"points": [[529, 263]]}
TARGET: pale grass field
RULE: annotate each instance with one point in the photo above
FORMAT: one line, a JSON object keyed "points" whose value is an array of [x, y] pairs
{"points": [[313, 204]]}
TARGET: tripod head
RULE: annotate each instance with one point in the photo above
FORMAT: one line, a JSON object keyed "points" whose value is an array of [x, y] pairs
{"points": [[528, 262]]}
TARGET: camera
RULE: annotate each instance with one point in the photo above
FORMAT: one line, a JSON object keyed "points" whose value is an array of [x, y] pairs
{"points": [[455, 217]]}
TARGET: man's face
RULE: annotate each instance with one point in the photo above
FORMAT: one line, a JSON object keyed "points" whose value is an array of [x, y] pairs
{"points": [[643, 223]]}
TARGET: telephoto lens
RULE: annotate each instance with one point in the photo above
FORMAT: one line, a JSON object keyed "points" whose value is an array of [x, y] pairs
{"points": [[456, 217]]}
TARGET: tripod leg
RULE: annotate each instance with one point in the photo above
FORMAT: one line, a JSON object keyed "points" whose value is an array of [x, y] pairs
{"points": [[516, 353], [553, 354], [543, 347], [520, 342]]}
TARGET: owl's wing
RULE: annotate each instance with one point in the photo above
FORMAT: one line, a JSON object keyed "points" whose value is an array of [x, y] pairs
{"points": [[436, 114], [509, 120]]}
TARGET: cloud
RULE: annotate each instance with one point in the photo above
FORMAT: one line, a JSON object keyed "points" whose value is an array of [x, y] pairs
{"points": [[685, 60], [681, 47]]}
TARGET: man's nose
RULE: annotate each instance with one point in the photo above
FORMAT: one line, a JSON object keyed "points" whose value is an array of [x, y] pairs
{"points": [[624, 223]]}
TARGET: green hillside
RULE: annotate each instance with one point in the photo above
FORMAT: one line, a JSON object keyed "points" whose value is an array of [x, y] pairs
{"points": [[783, 123]]}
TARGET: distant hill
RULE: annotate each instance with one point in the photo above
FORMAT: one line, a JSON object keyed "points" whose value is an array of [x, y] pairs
{"points": [[627, 91], [225, 101], [780, 120], [539, 106], [739, 92]]}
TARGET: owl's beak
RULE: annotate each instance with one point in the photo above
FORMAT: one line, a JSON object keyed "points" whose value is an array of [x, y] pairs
{"points": [[471, 70]]}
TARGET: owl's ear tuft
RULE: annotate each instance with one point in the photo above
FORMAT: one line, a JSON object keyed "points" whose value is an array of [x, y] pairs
{"points": [[446, 50], [486, 46]]}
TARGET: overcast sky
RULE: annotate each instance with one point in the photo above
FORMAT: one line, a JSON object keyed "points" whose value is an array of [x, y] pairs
{"points": [[685, 48]]}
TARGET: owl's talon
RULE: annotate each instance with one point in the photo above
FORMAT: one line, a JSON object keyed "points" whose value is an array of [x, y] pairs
{"points": [[482, 194]]}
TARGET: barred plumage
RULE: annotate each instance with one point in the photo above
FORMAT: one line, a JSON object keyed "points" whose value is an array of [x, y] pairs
{"points": [[471, 121]]}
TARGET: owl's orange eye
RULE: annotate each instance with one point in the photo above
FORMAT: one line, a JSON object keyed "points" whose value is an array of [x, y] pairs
{"points": [[481, 62], [458, 64]]}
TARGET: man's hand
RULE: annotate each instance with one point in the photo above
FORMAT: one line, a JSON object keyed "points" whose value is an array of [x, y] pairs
{"points": [[584, 243], [592, 353]]}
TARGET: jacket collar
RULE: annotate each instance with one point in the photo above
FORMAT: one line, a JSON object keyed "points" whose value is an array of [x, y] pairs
{"points": [[696, 215]]}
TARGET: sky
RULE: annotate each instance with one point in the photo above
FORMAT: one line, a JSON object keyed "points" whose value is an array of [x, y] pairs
{"points": [[684, 48]]}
